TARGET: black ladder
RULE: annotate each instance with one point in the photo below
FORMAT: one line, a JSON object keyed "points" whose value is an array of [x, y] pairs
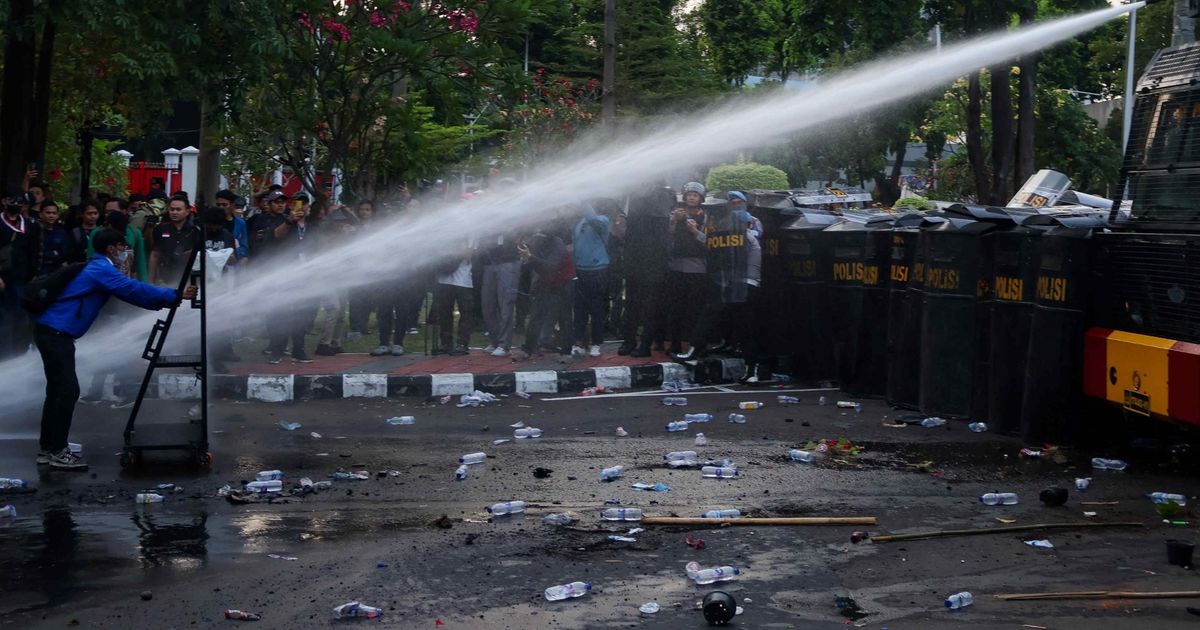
{"points": [[192, 435]]}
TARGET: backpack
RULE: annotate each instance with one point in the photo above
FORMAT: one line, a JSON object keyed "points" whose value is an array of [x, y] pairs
{"points": [[44, 290]]}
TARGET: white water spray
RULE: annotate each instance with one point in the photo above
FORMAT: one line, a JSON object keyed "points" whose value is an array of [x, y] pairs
{"points": [[431, 233]]}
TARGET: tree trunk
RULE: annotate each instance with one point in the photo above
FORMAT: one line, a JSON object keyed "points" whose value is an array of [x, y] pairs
{"points": [[1026, 96], [1003, 136], [39, 123], [900, 147], [208, 180], [975, 155], [15, 98]]}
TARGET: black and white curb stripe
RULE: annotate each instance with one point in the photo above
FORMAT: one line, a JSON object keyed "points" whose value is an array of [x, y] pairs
{"points": [[286, 387]]}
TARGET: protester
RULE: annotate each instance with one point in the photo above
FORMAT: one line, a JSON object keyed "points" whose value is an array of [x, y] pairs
{"points": [[501, 273], [263, 225], [334, 228], [361, 298], [726, 289], [14, 272], [297, 239], [542, 253], [218, 238], [49, 244], [67, 319], [81, 235], [173, 244], [454, 289], [687, 269], [647, 254], [591, 278], [226, 202]]}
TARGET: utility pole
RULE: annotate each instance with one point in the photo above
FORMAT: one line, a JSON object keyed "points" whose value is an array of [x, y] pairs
{"points": [[608, 107]]}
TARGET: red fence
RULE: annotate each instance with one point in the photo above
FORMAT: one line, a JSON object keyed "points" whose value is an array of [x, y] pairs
{"points": [[141, 174]]}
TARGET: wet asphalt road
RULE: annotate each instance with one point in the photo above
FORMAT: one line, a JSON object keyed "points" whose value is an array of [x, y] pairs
{"points": [[82, 551]]}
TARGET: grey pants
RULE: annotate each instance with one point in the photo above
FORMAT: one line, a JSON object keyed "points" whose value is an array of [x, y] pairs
{"points": [[500, 301]]}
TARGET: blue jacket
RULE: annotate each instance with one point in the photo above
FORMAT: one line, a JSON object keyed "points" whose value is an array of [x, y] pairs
{"points": [[77, 307], [242, 236], [591, 240]]}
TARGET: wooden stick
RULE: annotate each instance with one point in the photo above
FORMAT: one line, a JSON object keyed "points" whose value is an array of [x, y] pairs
{"points": [[996, 530], [805, 520], [1099, 503], [1017, 597]]}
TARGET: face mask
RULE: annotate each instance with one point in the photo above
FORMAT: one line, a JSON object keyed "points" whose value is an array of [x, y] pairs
{"points": [[123, 256]]}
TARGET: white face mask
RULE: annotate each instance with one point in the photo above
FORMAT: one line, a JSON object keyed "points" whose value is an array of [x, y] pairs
{"points": [[123, 256]]}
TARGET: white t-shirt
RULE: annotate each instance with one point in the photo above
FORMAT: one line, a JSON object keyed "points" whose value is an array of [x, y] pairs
{"points": [[460, 277]]}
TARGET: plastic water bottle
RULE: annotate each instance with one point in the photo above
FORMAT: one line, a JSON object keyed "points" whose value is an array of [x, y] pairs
{"points": [[1166, 497], [959, 600], [678, 401], [788, 400], [568, 591], [698, 417], [241, 615], [847, 404], [148, 497], [737, 418], [933, 422], [718, 472], [608, 474], [356, 609], [289, 426], [1082, 483], [12, 484], [978, 427], [273, 485], [719, 462], [798, 455], [557, 519], [730, 513], [507, 507], [679, 455], [622, 514], [1099, 463], [682, 463], [269, 475], [677, 426], [701, 440], [460, 473], [998, 498], [401, 420], [753, 404], [324, 484], [717, 574], [472, 458], [527, 432]]}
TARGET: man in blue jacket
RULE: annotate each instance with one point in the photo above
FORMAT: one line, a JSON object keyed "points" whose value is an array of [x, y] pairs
{"points": [[67, 319], [591, 278]]}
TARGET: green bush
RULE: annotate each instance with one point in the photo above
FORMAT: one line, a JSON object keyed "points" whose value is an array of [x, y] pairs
{"points": [[746, 176], [916, 202]]}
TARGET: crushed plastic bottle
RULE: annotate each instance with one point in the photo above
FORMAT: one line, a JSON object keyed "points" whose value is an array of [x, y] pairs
{"points": [[523, 395], [473, 458], [716, 574], [1082, 483], [622, 514], [357, 475], [822, 401], [149, 497], [557, 519], [677, 401], [678, 455], [788, 400], [737, 418], [506, 507], [1100, 463], [933, 422], [608, 474], [649, 608], [999, 498], [978, 427], [847, 404], [627, 539], [592, 391], [719, 472], [798, 455], [528, 432], [567, 591], [269, 475], [289, 426], [8, 511], [677, 426], [356, 609], [700, 440], [401, 420], [273, 485], [959, 600], [753, 404], [730, 513], [1167, 497], [460, 473], [621, 432], [241, 615], [697, 417], [324, 484]]}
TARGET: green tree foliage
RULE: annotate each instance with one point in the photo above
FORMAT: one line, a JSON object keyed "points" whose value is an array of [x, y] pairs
{"points": [[746, 176], [740, 34]]}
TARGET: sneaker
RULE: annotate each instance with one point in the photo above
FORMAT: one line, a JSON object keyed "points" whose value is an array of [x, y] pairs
{"points": [[625, 349], [325, 350], [122, 403], [500, 351], [380, 351], [459, 351], [299, 356], [414, 331], [66, 460], [275, 359], [43, 458], [594, 351], [397, 350], [577, 351], [490, 348]]}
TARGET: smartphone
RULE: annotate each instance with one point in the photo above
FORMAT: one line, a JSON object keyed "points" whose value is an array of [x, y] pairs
{"points": [[32, 166]]}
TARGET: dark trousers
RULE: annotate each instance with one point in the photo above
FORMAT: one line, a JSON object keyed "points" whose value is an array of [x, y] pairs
{"points": [[543, 312], [14, 322], [399, 306], [642, 311], [62, 386], [591, 302], [686, 297], [291, 327], [445, 297], [749, 329], [360, 308]]}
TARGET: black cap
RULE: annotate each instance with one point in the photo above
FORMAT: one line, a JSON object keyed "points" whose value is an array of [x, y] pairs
{"points": [[275, 194]]}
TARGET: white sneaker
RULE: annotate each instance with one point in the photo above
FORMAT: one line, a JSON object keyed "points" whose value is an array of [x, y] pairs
{"points": [[500, 352], [489, 348], [397, 350], [380, 351], [66, 460], [594, 352], [577, 351]]}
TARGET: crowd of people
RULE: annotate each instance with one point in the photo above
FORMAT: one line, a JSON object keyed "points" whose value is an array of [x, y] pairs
{"points": [[668, 272]]}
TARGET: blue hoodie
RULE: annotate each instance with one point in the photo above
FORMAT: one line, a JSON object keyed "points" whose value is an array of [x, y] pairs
{"points": [[79, 304], [591, 240]]}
